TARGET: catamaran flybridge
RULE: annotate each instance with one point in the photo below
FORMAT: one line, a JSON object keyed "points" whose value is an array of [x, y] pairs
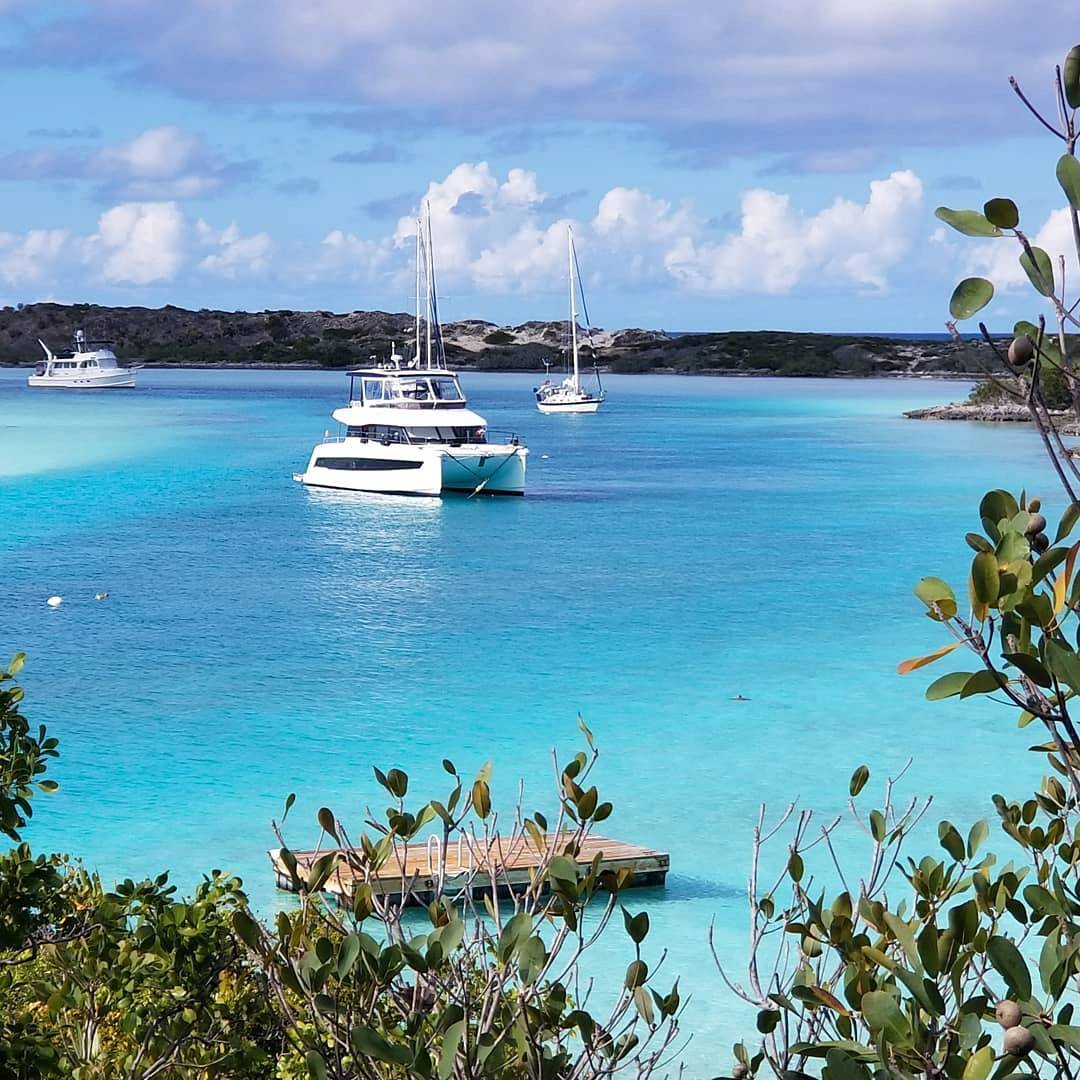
{"points": [[91, 365], [569, 396], [407, 428]]}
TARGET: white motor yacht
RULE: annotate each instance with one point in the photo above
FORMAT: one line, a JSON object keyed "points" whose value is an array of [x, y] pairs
{"points": [[570, 396], [407, 428], [409, 431], [91, 365]]}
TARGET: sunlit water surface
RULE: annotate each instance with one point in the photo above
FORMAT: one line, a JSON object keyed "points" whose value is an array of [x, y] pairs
{"points": [[697, 540]]}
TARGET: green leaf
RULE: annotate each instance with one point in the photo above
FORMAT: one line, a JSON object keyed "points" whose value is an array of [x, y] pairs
{"points": [[1068, 174], [562, 868], [979, 1064], [970, 296], [948, 685], [1047, 563], [983, 682], [968, 222], [1063, 663], [877, 825], [481, 798], [514, 933], [951, 840], [451, 1042], [1068, 521], [1039, 269], [347, 954], [932, 590], [858, 780], [1031, 667], [369, 1043], [795, 867], [1009, 964], [884, 1017], [977, 837], [637, 926], [1070, 77], [316, 1065], [1002, 213], [842, 1066], [996, 505], [247, 929], [636, 974], [985, 578]]}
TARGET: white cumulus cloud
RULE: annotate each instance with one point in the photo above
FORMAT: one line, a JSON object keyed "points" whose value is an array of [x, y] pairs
{"points": [[778, 247], [235, 254], [139, 243]]}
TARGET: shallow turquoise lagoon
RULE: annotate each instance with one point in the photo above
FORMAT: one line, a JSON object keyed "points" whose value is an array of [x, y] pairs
{"points": [[698, 539]]}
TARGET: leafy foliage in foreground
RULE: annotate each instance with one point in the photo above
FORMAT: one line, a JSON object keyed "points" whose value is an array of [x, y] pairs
{"points": [[135, 983], [959, 964]]}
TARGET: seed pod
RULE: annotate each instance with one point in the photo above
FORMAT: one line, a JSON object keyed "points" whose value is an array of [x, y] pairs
{"points": [[1039, 543], [1036, 524], [740, 1072], [1034, 505], [1021, 351], [1018, 1041], [1007, 1013]]}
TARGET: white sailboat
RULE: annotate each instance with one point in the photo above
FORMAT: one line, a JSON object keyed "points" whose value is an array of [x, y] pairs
{"points": [[569, 396], [407, 428]]}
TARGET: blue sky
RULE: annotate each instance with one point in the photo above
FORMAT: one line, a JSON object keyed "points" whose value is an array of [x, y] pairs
{"points": [[732, 165]]}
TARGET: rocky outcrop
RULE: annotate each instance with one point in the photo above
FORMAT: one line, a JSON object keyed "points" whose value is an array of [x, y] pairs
{"points": [[995, 413]]}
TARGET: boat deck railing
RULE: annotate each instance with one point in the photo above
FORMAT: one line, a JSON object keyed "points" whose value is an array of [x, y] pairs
{"points": [[491, 437]]}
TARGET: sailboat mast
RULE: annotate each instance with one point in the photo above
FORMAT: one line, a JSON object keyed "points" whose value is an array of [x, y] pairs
{"points": [[573, 305], [416, 352], [430, 272]]}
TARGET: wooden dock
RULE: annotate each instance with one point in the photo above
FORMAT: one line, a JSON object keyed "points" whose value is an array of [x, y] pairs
{"points": [[511, 865]]}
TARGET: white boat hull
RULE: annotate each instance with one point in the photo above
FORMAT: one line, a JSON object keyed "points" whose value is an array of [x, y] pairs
{"points": [[589, 406], [353, 464], [120, 379]]}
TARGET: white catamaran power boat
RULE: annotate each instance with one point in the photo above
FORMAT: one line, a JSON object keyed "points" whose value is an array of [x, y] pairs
{"points": [[569, 396], [91, 365], [407, 428]]}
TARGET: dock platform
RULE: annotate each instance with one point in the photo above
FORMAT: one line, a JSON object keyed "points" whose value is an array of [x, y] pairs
{"points": [[511, 864]]}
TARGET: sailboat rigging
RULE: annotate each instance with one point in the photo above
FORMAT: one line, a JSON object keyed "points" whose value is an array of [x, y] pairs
{"points": [[569, 396]]}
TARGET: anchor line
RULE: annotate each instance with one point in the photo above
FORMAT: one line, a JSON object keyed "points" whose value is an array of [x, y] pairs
{"points": [[479, 487]]}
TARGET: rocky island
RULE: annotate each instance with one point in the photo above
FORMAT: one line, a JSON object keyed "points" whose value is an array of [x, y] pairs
{"points": [[173, 336]]}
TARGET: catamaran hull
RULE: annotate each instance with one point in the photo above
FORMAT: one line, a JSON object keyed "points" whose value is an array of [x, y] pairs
{"points": [[568, 406], [122, 379], [395, 469], [485, 469]]}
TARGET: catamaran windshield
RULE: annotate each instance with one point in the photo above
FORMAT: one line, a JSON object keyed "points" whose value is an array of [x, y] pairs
{"points": [[447, 390]]}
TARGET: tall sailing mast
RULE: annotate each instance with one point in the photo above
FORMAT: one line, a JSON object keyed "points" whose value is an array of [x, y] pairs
{"points": [[416, 351], [573, 305]]}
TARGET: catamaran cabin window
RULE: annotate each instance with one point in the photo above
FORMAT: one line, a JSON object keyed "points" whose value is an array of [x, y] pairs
{"points": [[378, 432], [416, 389], [365, 464], [373, 389], [446, 389]]}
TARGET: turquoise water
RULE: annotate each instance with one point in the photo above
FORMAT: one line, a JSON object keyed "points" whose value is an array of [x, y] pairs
{"points": [[698, 539]]}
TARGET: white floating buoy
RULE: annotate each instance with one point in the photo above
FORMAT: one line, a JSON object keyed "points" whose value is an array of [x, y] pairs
{"points": [[54, 601], [101, 596], [543, 457]]}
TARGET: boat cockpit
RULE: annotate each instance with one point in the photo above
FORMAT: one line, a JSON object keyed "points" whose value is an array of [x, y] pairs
{"points": [[406, 390]]}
